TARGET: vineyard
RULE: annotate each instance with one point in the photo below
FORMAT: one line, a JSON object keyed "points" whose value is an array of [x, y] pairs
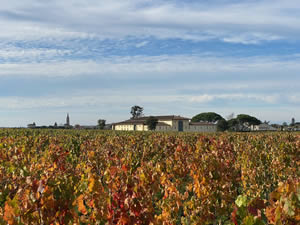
{"points": [[94, 177]]}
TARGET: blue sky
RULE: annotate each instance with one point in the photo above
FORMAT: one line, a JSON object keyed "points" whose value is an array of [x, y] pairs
{"points": [[96, 59]]}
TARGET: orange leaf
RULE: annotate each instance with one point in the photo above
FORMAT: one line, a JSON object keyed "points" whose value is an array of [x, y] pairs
{"points": [[8, 214], [123, 220], [124, 168], [91, 184], [80, 205]]}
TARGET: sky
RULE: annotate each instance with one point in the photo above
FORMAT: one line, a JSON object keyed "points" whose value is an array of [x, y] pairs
{"points": [[95, 59]]}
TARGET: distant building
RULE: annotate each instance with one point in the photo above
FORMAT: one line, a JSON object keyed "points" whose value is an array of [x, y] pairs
{"points": [[67, 124], [68, 120], [263, 127], [165, 123], [293, 122], [31, 125], [297, 126], [294, 127], [241, 127]]}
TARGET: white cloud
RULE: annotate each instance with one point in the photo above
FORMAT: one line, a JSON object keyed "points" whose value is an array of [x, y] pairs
{"points": [[251, 38], [271, 99], [93, 100], [32, 54], [247, 22], [86, 107], [295, 99], [19, 103], [132, 66], [202, 98], [22, 30], [141, 44]]}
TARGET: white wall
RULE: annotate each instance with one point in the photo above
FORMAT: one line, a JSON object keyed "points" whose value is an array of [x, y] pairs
{"points": [[203, 128], [173, 126]]}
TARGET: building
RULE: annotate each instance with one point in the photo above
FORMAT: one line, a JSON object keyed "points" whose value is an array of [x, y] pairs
{"points": [[165, 123], [297, 126], [67, 124], [68, 120], [263, 127], [294, 127], [31, 125], [293, 122]]}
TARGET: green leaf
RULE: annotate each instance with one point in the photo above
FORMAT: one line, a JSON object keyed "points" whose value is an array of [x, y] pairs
{"points": [[241, 201], [249, 220], [288, 208]]}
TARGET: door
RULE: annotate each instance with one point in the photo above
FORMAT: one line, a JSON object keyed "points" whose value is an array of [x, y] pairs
{"points": [[180, 125]]}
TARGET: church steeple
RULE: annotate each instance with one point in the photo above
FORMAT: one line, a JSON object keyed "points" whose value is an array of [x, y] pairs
{"points": [[68, 120]]}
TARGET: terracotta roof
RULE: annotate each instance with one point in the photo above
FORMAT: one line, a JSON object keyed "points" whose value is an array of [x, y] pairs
{"points": [[134, 122], [202, 124], [142, 120], [168, 117], [171, 117]]}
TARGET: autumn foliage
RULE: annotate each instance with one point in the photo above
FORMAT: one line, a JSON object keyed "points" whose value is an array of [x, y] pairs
{"points": [[92, 177]]}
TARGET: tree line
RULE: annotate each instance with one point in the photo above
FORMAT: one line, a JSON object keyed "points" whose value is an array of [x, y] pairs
{"points": [[240, 123]]}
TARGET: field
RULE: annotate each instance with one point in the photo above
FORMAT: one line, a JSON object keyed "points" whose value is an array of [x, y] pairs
{"points": [[94, 177]]}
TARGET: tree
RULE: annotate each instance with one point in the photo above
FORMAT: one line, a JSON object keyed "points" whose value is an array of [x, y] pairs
{"points": [[222, 125], [136, 111], [207, 116], [242, 122], [244, 118], [101, 124], [151, 122], [233, 124]]}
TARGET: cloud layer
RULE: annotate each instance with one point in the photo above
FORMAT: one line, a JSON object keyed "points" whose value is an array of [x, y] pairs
{"points": [[92, 57], [246, 22]]}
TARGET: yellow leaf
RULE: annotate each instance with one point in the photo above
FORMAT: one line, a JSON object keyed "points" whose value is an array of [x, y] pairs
{"points": [[91, 184], [163, 179], [142, 177]]}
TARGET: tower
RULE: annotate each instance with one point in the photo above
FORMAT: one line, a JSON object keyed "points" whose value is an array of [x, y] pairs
{"points": [[68, 120], [293, 122]]}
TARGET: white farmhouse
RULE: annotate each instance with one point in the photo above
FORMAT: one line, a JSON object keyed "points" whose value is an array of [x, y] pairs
{"points": [[263, 127], [166, 123]]}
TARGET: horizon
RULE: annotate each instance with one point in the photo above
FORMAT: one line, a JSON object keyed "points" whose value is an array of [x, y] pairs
{"points": [[96, 59], [62, 124]]}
